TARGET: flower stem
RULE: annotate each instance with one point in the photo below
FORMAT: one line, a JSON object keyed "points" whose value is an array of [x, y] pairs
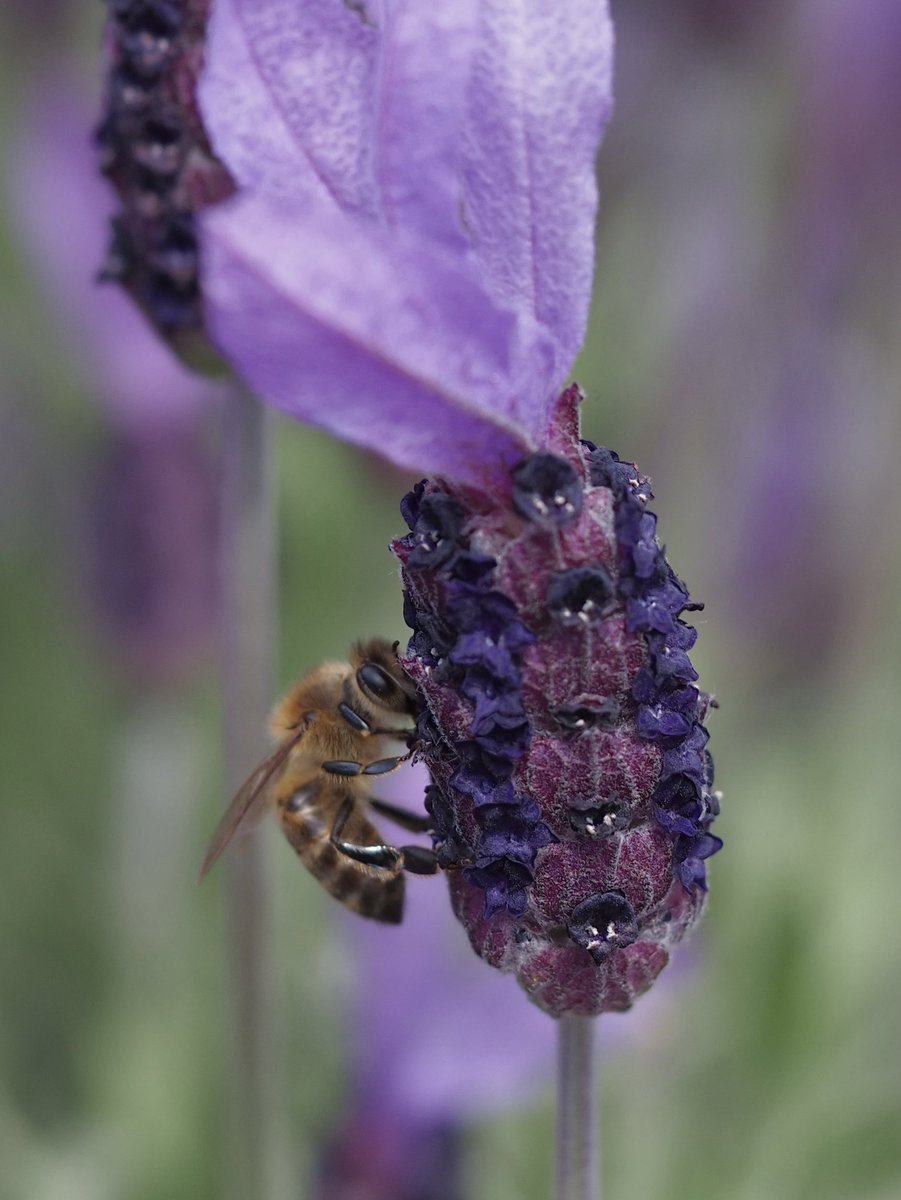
{"points": [[577, 1131], [247, 661]]}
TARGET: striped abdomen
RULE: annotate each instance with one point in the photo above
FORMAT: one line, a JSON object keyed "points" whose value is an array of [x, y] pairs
{"points": [[307, 811]]}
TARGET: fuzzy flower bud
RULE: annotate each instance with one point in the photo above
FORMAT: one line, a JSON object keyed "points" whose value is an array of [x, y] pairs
{"points": [[564, 732], [155, 151]]}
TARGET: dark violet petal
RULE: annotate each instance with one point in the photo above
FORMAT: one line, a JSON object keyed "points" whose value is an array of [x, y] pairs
{"points": [[409, 506], [504, 736], [483, 686], [688, 758], [690, 856], [491, 614], [677, 791], [382, 340], [538, 103], [707, 845], [482, 770], [677, 822], [512, 832], [481, 789], [438, 524], [656, 720], [645, 689], [655, 611], [495, 708], [646, 549], [670, 653], [478, 650], [505, 882]]}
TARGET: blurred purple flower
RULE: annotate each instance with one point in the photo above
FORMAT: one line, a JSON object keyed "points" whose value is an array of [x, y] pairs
{"points": [[849, 144], [436, 1046], [151, 536], [409, 260], [152, 548]]}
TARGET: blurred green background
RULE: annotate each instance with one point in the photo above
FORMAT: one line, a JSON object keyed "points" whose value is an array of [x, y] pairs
{"points": [[743, 350]]}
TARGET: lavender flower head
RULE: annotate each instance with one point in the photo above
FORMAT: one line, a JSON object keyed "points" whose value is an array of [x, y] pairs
{"points": [[563, 727], [408, 264]]}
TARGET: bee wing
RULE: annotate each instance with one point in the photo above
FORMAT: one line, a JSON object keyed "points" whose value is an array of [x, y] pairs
{"points": [[251, 797]]}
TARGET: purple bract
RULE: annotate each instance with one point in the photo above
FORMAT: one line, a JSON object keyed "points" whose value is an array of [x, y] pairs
{"points": [[563, 731], [408, 261]]}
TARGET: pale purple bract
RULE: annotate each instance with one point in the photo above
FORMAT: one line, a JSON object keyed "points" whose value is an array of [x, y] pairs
{"points": [[408, 261]]}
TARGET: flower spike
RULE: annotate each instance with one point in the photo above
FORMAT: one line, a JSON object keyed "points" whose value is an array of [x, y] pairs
{"points": [[564, 731]]}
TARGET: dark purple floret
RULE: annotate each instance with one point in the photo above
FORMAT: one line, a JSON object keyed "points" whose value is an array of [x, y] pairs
{"points": [[591, 819], [580, 594], [602, 924], [438, 521], [547, 488], [571, 790]]}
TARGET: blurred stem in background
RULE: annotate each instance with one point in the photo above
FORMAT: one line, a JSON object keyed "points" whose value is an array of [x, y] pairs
{"points": [[577, 1110], [248, 680]]}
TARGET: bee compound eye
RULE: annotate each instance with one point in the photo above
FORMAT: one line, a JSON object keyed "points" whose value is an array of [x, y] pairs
{"points": [[375, 679]]}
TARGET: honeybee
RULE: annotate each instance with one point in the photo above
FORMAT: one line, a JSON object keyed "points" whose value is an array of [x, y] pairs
{"points": [[333, 729]]}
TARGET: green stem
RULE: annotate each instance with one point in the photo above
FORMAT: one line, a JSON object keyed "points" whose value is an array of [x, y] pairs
{"points": [[577, 1125], [247, 673]]}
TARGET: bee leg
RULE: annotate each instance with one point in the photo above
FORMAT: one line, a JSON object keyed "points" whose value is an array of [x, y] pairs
{"points": [[418, 860], [381, 766], [384, 766], [415, 822], [387, 857]]}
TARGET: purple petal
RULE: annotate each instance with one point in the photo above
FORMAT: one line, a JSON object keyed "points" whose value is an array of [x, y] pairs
{"points": [[287, 94], [469, 132], [421, 113], [377, 337], [538, 102]]}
